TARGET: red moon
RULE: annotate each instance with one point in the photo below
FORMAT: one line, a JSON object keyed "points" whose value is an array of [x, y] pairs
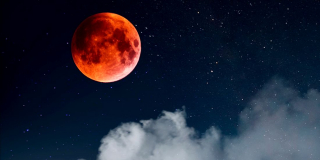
{"points": [[106, 47]]}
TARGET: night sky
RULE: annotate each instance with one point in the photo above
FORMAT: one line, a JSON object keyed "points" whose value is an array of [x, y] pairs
{"points": [[211, 56]]}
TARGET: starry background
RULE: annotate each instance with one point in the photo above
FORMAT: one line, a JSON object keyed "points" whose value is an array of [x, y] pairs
{"points": [[210, 56]]}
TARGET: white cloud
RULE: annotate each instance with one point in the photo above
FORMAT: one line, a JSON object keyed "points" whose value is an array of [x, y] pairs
{"points": [[278, 124]]}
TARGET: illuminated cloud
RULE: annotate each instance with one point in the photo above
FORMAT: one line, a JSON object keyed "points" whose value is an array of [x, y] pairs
{"points": [[278, 124]]}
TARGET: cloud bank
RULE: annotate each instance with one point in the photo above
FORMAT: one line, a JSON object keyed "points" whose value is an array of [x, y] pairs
{"points": [[278, 124]]}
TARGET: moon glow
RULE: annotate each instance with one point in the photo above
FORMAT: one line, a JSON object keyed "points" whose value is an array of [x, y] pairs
{"points": [[106, 47]]}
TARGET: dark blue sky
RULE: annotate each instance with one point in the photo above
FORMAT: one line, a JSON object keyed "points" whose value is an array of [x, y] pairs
{"points": [[210, 56]]}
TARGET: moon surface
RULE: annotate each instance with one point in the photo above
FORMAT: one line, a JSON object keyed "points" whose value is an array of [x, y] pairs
{"points": [[106, 47]]}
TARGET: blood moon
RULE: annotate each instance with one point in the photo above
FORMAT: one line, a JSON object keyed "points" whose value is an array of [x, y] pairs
{"points": [[106, 47]]}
